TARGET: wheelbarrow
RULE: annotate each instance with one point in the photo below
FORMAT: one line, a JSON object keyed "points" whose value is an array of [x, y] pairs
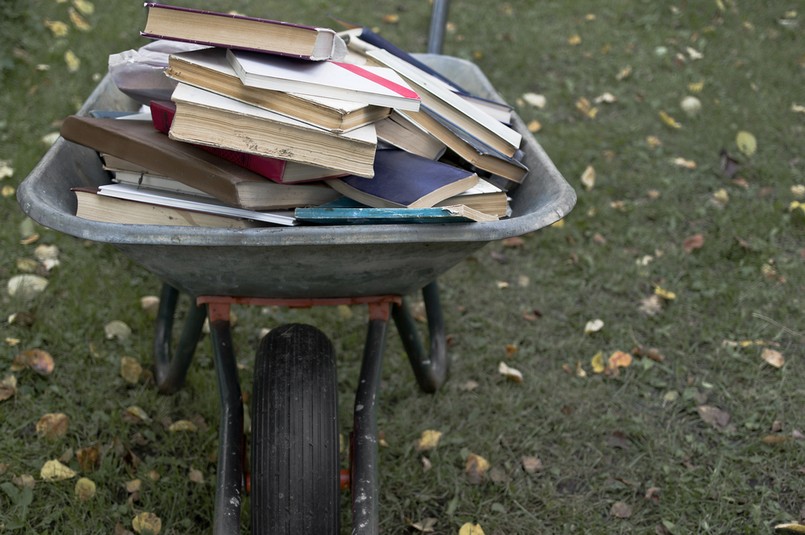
{"points": [[295, 477]]}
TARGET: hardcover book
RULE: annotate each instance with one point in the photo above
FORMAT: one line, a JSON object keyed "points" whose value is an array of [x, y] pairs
{"points": [[139, 143], [405, 180], [379, 86], [230, 30], [209, 69], [276, 169], [401, 132], [206, 118]]}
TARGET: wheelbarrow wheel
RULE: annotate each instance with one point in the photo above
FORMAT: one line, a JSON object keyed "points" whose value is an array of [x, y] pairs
{"points": [[295, 472]]}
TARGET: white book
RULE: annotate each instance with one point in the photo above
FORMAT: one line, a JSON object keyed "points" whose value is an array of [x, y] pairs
{"points": [[438, 97], [379, 86], [185, 202]]}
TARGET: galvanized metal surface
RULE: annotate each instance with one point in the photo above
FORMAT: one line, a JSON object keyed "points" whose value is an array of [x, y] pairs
{"points": [[305, 261]]}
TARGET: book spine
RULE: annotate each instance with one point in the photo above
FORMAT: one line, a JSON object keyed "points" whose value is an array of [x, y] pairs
{"points": [[271, 168]]}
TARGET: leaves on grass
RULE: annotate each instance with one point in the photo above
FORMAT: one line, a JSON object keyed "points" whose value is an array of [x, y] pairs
{"points": [[651, 305], [684, 163], [772, 357], [620, 359], [150, 304], [598, 363], [713, 416], [693, 243], [136, 415], [624, 73], [72, 61], [426, 525], [610, 366], [476, 468], [8, 387], [621, 510], [196, 476], [668, 295], [429, 440], [78, 20], [183, 426], [471, 529], [691, 106], [53, 426], [85, 7], [593, 326], [535, 100], [116, 330], [26, 286], [669, 121], [790, 528], [746, 142], [510, 373], [586, 108], [574, 40], [85, 489], [54, 470], [588, 178], [57, 27], [147, 523], [89, 458], [531, 464], [130, 370], [35, 359]]}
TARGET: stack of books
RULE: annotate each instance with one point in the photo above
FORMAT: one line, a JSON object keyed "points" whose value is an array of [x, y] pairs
{"points": [[273, 123]]}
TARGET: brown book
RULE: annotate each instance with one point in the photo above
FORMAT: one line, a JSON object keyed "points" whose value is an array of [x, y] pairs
{"points": [[209, 69], [139, 143]]}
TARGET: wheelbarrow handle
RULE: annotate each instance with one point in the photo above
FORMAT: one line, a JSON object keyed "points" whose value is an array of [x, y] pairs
{"points": [[430, 369]]}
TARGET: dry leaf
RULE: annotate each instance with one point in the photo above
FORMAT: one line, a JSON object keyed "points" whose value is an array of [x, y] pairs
{"points": [[619, 359], [196, 476], [651, 305], [511, 350], [136, 415], [668, 295], [471, 529], [425, 526], [534, 126], [24, 481], [147, 524], [588, 178], [775, 440], [84, 489], [426, 464], [621, 510], [693, 243], [714, 416], [773, 357], [668, 120], [79, 21], [531, 464], [8, 387], [683, 163], [35, 359], [593, 326], [72, 61], [574, 40], [605, 98], [84, 6], [182, 426], [694, 54], [391, 18], [584, 106], [53, 426], [55, 471], [798, 191], [27, 286], [580, 371], [746, 142], [510, 373], [790, 528], [721, 197], [429, 440], [135, 485], [88, 458], [653, 494], [696, 87], [150, 304], [533, 99], [653, 142], [476, 468], [597, 362], [116, 329], [130, 370], [624, 73]]}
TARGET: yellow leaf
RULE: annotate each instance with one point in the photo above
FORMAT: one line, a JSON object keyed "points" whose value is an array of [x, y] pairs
{"points": [[147, 524], [57, 28], [8, 387], [55, 471], [746, 142], [668, 120], [391, 18], [79, 21], [428, 440], [790, 528], [620, 359], [574, 40], [597, 362], [84, 6], [534, 126], [471, 529], [580, 371], [510, 373], [130, 370], [182, 426], [696, 87], [588, 178], [72, 61], [476, 467], [665, 294], [559, 224], [653, 142], [584, 106], [624, 73], [84, 489]]}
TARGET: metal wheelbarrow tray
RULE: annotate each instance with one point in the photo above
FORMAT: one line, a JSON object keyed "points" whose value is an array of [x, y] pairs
{"points": [[297, 266]]}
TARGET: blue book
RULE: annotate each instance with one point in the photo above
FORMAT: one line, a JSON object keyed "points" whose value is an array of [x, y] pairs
{"points": [[405, 180], [345, 211]]}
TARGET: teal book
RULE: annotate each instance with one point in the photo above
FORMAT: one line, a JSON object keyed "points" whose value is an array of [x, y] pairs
{"points": [[345, 211], [405, 180]]}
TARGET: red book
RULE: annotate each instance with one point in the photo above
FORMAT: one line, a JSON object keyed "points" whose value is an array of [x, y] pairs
{"points": [[275, 169]]}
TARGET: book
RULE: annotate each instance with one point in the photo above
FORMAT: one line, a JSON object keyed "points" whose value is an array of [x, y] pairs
{"points": [[439, 99], [148, 180], [401, 132], [229, 30], [484, 197], [346, 211], [90, 205], [405, 180], [360, 40], [142, 145], [192, 203], [379, 86], [471, 149], [206, 118], [209, 69], [276, 169]]}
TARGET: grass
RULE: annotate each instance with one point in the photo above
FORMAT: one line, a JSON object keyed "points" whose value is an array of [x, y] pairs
{"points": [[602, 439]]}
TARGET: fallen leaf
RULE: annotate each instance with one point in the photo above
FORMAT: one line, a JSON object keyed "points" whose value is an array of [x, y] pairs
{"points": [[593, 326], [696, 87], [150, 304], [8, 387], [471, 529], [691, 106], [694, 54], [78, 21], [428, 440], [669, 121], [651, 305], [588, 178], [605, 98], [624, 73], [798, 191], [136, 415], [534, 126], [510, 349], [619, 359], [774, 440], [84, 489], [531, 464], [791, 528], [713, 416], [684, 163], [24, 481], [135, 485], [649, 353], [35, 359], [693, 243], [117, 329], [746, 142], [574, 40], [84, 6], [196, 476], [580, 371], [797, 108], [57, 28], [89, 458], [533, 99], [653, 142], [391, 18], [653, 494], [476, 468], [53, 426], [426, 525], [773, 357], [597, 362], [130, 370], [182, 426], [53, 470], [72, 61], [426, 464], [721, 197], [621, 510], [147, 524], [663, 293], [510, 373], [27, 286], [584, 106]]}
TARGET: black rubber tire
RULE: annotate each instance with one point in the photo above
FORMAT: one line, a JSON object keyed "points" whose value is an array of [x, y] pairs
{"points": [[294, 450]]}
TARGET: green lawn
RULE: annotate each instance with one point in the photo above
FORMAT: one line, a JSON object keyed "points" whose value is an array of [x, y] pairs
{"points": [[701, 435]]}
